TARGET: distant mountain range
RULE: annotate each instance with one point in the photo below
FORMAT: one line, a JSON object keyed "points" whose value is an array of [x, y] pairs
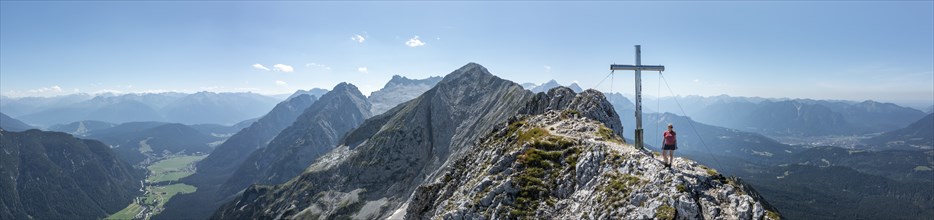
{"points": [[135, 142], [917, 135], [52, 175], [544, 87], [398, 90], [217, 108], [11, 124], [17, 107], [789, 117], [315, 92], [899, 165], [82, 128], [197, 108]]}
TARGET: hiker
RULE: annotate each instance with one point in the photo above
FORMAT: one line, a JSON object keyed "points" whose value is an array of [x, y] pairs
{"points": [[669, 145]]}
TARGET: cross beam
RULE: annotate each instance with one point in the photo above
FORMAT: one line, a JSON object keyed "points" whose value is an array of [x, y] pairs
{"points": [[638, 68], [635, 67]]}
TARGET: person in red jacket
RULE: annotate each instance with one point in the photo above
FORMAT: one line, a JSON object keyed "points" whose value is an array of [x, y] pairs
{"points": [[669, 145]]}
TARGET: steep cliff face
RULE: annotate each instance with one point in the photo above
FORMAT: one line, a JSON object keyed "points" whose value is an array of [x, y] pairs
{"points": [[219, 167], [52, 175], [422, 144], [313, 133], [561, 165]]}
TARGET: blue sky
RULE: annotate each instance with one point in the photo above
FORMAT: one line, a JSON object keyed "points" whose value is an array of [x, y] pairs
{"points": [[823, 50]]}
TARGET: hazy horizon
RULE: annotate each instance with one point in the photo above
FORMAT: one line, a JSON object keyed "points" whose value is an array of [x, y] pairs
{"points": [[881, 51], [628, 94]]}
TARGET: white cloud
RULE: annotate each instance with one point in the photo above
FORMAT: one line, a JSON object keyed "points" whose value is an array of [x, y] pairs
{"points": [[362, 70], [358, 38], [283, 68], [47, 89], [696, 80], [260, 67], [210, 88], [318, 65], [547, 68], [414, 42], [157, 91], [281, 83], [105, 91]]}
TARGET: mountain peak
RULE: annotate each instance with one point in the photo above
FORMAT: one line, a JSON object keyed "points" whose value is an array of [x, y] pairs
{"points": [[469, 70], [544, 87], [577, 88], [346, 90], [398, 78], [315, 92], [344, 86]]}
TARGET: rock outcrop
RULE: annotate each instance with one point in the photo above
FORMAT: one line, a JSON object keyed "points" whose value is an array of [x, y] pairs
{"points": [[591, 104], [561, 165]]}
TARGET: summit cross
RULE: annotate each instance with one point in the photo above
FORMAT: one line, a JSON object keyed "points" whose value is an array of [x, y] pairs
{"points": [[638, 68]]}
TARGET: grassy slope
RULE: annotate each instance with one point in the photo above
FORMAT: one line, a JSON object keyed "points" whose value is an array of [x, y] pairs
{"points": [[172, 169]]}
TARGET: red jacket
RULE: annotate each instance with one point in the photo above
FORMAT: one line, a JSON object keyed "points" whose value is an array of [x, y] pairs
{"points": [[670, 138]]}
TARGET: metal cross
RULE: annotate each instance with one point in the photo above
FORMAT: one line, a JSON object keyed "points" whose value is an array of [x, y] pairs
{"points": [[638, 68]]}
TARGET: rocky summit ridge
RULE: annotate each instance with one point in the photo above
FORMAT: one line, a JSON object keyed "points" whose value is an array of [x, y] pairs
{"points": [[561, 165]]}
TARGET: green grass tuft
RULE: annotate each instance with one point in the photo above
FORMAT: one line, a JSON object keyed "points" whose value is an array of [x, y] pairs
{"points": [[769, 214], [608, 135], [711, 172], [532, 134], [665, 212], [620, 186]]}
